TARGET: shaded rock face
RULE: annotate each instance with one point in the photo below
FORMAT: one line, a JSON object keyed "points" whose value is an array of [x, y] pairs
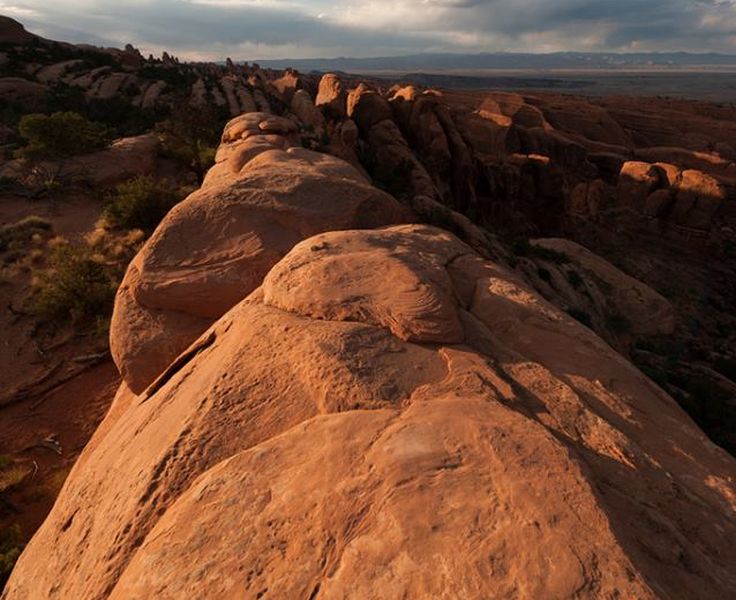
{"points": [[332, 95], [370, 413], [587, 141], [503, 170], [686, 198], [303, 107], [125, 158], [610, 302], [607, 174], [21, 90], [12, 32], [263, 196]]}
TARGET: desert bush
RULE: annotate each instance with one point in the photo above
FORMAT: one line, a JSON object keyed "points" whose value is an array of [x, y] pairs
{"points": [[190, 136], [117, 247], [316, 140], [140, 203], [22, 232], [46, 180], [61, 135], [76, 286], [11, 475], [10, 549], [121, 115]]}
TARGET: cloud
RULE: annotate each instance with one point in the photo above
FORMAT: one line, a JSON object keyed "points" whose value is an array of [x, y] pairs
{"points": [[247, 29], [13, 10]]}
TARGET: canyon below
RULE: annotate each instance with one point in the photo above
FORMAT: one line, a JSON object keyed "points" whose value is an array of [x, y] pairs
{"points": [[383, 338]]}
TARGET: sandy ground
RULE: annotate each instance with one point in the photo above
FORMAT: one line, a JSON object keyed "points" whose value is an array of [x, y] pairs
{"points": [[50, 401], [46, 435]]}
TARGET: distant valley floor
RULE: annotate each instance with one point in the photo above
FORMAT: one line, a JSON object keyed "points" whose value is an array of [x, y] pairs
{"points": [[710, 85]]}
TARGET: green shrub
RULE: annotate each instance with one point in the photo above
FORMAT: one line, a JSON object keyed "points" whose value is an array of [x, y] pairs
{"points": [[10, 549], [190, 136], [22, 232], [140, 203], [61, 135], [178, 77], [121, 115], [76, 286]]}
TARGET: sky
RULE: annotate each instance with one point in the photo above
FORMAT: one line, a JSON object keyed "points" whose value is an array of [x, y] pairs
{"points": [[252, 29]]}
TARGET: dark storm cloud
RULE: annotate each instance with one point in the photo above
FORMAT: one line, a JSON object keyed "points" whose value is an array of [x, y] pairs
{"points": [[181, 24], [362, 28], [655, 24]]}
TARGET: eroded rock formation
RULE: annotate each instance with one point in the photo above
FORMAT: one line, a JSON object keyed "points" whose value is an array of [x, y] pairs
{"points": [[33, 67], [649, 185], [369, 413], [264, 194]]}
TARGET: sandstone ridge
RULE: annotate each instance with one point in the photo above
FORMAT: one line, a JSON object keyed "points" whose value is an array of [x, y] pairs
{"points": [[648, 184], [322, 400]]}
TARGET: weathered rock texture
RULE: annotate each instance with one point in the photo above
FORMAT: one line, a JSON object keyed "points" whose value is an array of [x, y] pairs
{"points": [[613, 304], [647, 184], [33, 67], [386, 415], [263, 196]]}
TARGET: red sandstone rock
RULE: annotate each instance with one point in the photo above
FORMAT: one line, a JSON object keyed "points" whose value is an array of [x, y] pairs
{"points": [[698, 199], [332, 95], [304, 108], [367, 108], [214, 248], [637, 181], [313, 441]]}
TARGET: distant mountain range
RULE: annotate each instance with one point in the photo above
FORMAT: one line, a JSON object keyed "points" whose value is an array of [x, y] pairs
{"points": [[510, 61]]}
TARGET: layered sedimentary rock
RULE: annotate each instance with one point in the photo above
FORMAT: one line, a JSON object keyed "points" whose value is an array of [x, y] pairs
{"points": [[381, 413]]}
